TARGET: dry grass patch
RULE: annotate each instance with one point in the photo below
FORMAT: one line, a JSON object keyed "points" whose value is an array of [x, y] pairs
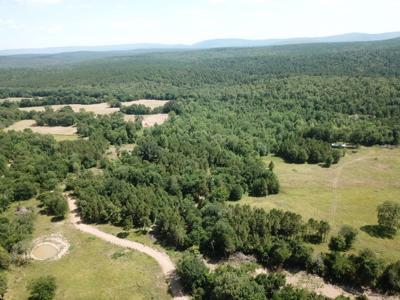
{"points": [[100, 108], [31, 124], [149, 103], [148, 120]]}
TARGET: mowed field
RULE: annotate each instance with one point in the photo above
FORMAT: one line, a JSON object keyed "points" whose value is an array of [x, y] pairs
{"points": [[93, 269], [346, 193]]}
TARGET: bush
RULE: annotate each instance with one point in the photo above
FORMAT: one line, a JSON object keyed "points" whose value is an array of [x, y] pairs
{"points": [[235, 284], [259, 188], [43, 288], [369, 268], [389, 215], [280, 253], [339, 267], [24, 190], [390, 280], [192, 271], [136, 109], [271, 282], [344, 240], [236, 193], [54, 204]]}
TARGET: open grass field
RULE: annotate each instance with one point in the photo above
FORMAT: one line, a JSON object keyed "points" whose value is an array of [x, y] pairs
{"points": [[346, 193], [93, 269], [60, 133]]}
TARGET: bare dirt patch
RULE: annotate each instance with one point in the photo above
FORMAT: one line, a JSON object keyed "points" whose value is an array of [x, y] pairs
{"points": [[31, 124], [99, 109], [51, 247]]}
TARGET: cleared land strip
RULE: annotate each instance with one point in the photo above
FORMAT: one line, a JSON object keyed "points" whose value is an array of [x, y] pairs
{"points": [[98, 108], [31, 124], [166, 264]]}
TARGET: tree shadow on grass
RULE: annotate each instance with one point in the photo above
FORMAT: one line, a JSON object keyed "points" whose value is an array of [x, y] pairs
{"points": [[379, 231], [57, 219]]}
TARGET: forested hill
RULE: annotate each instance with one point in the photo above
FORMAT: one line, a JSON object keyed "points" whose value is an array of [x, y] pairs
{"points": [[362, 57]]}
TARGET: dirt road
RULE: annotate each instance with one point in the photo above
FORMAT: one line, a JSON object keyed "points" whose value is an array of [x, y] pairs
{"points": [[166, 264]]}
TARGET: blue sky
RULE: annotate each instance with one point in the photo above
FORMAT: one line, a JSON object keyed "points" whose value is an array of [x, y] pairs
{"points": [[46, 23]]}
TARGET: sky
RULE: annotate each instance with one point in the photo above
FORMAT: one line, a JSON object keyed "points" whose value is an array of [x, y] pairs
{"points": [[55, 23]]}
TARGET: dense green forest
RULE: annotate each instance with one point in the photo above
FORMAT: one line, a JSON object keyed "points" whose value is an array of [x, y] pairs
{"points": [[229, 107]]}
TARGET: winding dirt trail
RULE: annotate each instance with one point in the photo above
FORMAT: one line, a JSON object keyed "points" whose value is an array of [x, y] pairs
{"points": [[166, 264]]}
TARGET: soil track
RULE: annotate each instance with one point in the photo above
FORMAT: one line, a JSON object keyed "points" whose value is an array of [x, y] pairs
{"points": [[166, 264]]}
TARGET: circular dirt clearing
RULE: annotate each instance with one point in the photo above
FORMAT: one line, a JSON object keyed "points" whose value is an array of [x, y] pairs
{"points": [[44, 251], [49, 247]]}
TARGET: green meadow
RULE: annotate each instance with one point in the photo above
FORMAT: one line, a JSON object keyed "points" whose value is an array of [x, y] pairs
{"points": [[346, 193]]}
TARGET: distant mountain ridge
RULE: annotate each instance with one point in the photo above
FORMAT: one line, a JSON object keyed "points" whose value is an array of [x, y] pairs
{"points": [[208, 44]]}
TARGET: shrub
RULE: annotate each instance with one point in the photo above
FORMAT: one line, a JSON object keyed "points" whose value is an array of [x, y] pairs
{"points": [[192, 271], [236, 193], [54, 204], [390, 280], [271, 282], [259, 188], [389, 215], [43, 288]]}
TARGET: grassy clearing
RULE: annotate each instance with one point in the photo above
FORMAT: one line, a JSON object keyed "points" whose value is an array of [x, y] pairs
{"points": [[346, 193], [93, 269], [62, 137], [143, 238], [59, 132]]}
